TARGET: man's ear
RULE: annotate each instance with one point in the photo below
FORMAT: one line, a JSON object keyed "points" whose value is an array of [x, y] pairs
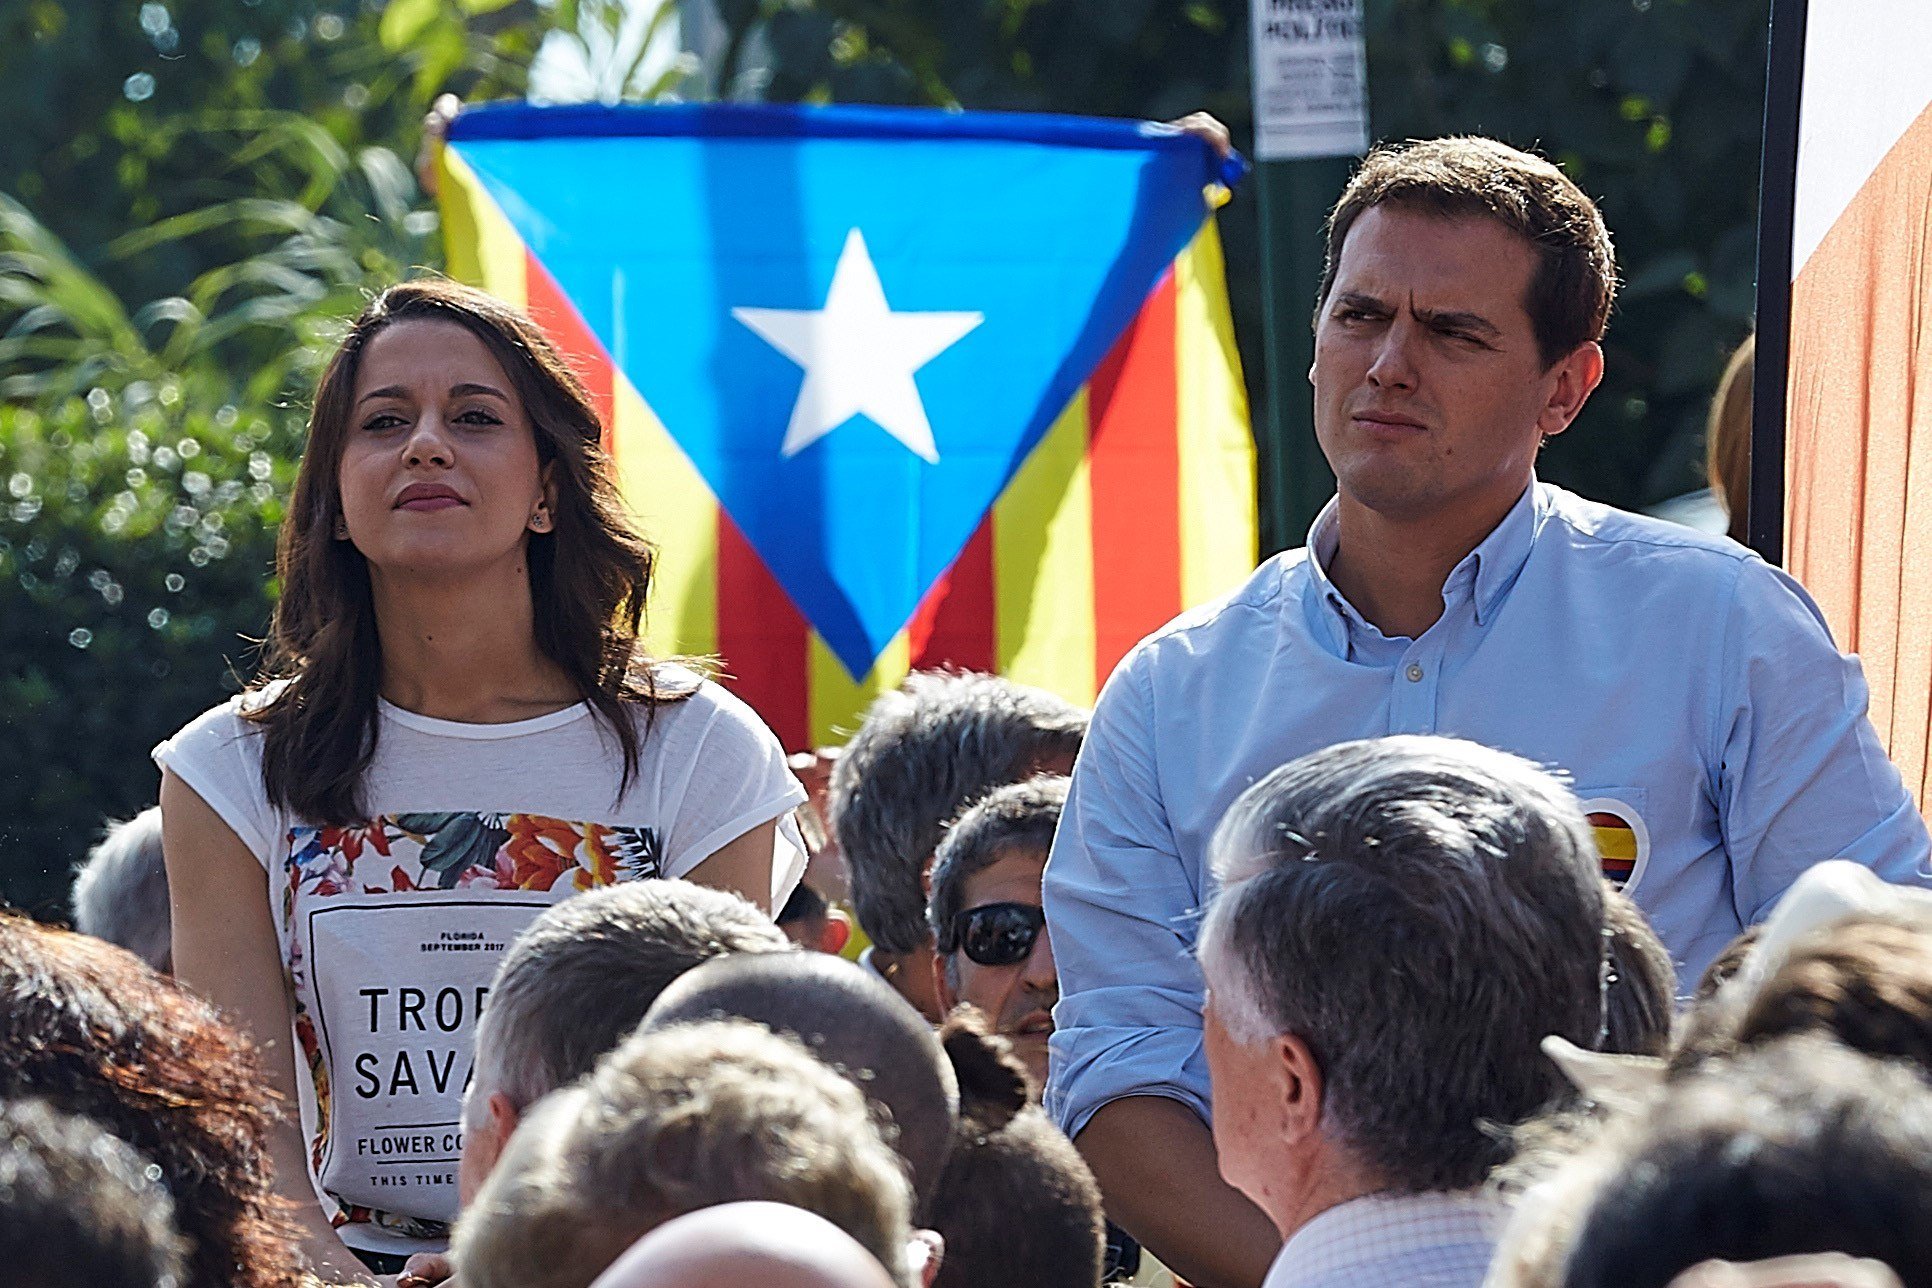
{"points": [[500, 1122], [1577, 377], [942, 987], [1298, 1082]]}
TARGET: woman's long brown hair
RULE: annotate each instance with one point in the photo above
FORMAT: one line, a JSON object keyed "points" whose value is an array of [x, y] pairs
{"points": [[589, 575]]}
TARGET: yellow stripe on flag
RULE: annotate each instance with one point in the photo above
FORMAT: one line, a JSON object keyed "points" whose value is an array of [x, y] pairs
{"points": [[1043, 564], [1616, 842], [675, 509], [838, 703], [479, 244], [1219, 541]]}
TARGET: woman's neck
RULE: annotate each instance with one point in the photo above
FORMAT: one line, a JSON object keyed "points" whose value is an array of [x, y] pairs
{"points": [[465, 648]]}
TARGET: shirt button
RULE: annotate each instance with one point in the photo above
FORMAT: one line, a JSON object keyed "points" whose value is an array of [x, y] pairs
{"points": [[1414, 672]]}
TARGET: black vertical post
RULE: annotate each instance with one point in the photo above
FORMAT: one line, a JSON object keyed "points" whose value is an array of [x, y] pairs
{"points": [[1295, 198], [1777, 197]]}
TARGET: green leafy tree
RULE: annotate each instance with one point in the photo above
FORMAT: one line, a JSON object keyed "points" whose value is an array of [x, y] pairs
{"points": [[136, 540], [150, 93]]}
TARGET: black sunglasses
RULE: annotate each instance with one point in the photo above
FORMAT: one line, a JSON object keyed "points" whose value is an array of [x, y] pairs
{"points": [[999, 934]]}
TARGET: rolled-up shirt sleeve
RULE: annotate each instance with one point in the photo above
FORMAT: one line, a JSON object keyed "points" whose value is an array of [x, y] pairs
{"points": [[1123, 908], [1802, 776]]}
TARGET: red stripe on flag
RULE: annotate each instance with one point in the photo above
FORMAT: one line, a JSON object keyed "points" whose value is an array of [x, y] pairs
{"points": [[1135, 457], [955, 625], [553, 311], [762, 638]]}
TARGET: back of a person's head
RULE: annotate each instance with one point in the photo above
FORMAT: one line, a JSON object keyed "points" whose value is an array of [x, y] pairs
{"points": [[848, 1019], [670, 1122], [581, 976], [733, 1245], [78, 1207], [1016, 1205], [121, 891], [1796, 1147], [925, 752], [1640, 990], [1421, 912], [92, 1030], [1865, 982]]}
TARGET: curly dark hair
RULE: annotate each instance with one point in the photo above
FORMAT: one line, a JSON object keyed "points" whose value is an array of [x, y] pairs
{"points": [[92, 1030]]}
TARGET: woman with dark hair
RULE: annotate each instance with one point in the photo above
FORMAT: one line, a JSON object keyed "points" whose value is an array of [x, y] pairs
{"points": [[89, 1029], [457, 727]]}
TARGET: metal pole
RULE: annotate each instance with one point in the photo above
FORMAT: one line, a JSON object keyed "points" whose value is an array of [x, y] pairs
{"points": [[1777, 196], [1311, 120], [1295, 199]]}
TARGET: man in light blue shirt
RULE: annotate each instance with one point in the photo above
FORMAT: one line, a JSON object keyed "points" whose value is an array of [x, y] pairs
{"points": [[1691, 693]]}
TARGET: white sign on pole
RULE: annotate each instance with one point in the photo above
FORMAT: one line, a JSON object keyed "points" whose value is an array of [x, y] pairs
{"points": [[1310, 79]]}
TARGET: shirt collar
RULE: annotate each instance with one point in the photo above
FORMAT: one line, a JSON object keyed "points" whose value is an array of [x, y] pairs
{"points": [[1495, 562], [1393, 1228]]}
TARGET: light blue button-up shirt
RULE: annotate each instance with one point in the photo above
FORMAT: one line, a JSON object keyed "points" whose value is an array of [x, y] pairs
{"points": [[1690, 692]]}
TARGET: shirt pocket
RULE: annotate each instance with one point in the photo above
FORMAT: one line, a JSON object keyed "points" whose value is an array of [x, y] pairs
{"points": [[1616, 815]]}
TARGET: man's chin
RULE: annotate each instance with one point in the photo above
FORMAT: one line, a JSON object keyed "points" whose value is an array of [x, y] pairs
{"points": [[1031, 1048]]}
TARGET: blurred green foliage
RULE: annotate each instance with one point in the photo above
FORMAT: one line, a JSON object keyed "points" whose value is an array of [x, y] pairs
{"points": [[193, 197], [136, 548]]}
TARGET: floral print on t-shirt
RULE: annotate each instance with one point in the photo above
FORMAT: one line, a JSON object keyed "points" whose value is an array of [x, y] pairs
{"points": [[398, 854]]}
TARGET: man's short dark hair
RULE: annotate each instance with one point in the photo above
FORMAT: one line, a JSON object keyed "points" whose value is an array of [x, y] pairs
{"points": [[1019, 817], [1797, 1147], [1576, 276], [1421, 912], [580, 977], [926, 751], [78, 1206]]}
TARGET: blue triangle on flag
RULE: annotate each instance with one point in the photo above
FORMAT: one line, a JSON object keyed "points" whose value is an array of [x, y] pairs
{"points": [[857, 322]]}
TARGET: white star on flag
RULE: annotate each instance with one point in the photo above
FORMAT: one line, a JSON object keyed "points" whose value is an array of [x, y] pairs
{"points": [[858, 355]]}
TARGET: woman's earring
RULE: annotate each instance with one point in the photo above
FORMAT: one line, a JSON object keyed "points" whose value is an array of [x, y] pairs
{"points": [[540, 521], [341, 528]]}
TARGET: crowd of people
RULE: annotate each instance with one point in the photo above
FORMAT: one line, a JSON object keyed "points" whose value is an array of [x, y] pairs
{"points": [[1501, 889]]}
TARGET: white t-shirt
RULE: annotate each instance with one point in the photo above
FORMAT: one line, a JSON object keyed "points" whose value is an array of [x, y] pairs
{"points": [[391, 930]]}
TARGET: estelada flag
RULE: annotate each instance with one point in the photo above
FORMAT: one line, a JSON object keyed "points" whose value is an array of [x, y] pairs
{"points": [[1856, 204], [890, 388]]}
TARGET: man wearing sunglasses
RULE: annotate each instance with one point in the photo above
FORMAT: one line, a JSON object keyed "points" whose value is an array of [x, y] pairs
{"points": [[926, 752], [988, 928]]}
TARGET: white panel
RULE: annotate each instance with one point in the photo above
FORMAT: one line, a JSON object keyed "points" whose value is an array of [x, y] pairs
{"points": [[1868, 76]]}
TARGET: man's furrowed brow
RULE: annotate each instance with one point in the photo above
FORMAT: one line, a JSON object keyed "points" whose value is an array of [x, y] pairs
{"points": [[1460, 320], [1362, 302]]}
